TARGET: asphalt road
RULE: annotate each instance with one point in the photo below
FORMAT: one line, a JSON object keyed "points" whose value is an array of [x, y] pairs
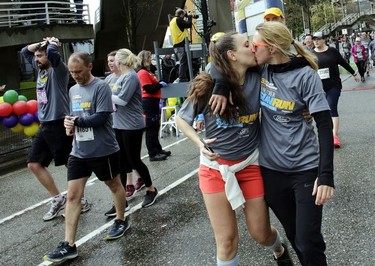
{"points": [[175, 230]]}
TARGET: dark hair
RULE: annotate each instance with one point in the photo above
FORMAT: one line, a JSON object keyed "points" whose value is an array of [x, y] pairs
{"points": [[41, 48], [218, 52], [200, 91]]}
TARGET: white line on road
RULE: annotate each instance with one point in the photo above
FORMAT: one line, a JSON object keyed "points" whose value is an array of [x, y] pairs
{"points": [[89, 183], [132, 210]]}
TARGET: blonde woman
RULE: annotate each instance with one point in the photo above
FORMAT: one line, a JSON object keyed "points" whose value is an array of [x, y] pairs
{"points": [[128, 121], [297, 166]]}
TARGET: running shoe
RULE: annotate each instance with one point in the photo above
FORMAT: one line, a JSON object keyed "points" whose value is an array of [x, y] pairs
{"points": [[158, 157], [129, 191], [112, 212], [85, 206], [139, 184], [168, 153], [150, 198], [56, 207], [118, 229], [63, 252], [285, 259]]}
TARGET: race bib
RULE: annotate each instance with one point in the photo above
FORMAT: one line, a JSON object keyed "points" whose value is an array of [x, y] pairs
{"points": [[84, 133], [41, 96], [324, 73]]}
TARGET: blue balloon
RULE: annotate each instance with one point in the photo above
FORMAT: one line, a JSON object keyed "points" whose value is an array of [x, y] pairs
{"points": [[10, 121], [36, 118], [26, 119]]}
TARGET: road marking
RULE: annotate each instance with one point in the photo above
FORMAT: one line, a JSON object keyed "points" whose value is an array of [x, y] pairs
{"points": [[132, 210], [359, 88], [90, 182]]}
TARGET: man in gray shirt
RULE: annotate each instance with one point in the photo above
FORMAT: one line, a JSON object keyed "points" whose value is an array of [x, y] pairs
{"points": [[95, 150], [50, 142]]}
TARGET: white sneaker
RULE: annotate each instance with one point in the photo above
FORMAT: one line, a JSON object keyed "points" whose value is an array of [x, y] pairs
{"points": [[85, 206], [56, 207]]}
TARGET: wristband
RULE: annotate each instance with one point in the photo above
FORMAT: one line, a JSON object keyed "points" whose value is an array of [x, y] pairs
{"points": [[355, 74]]}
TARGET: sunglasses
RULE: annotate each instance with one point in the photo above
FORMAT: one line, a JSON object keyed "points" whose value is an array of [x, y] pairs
{"points": [[256, 45]]}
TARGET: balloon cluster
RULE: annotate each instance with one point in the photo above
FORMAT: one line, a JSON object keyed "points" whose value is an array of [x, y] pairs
{"points": [[19, 114]]}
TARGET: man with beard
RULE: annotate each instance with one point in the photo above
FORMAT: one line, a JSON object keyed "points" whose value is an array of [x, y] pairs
{"points": [[50, 142]]}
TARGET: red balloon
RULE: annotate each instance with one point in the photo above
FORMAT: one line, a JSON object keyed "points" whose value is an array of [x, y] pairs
{"points": [[19, 108], [32, 106], [5, 109]]}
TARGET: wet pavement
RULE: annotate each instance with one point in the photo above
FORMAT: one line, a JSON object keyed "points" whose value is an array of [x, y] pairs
{"points": [[175, 230]]}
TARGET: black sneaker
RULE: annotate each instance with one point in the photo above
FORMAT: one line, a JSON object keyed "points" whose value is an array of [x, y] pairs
{"points": [[150, 198], [118, 229], [158, 157], [168, 153], [112, 212], [62, 252], [285, 259]]}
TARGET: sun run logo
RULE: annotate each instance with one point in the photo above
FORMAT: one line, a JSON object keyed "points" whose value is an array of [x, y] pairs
{"points": [[268, 99], [238, 121], [86, 105]]}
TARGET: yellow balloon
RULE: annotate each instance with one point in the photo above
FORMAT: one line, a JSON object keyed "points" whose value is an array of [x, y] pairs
{"points": [[31, 130], [168, 113], [172, 101], [17, 128], [1, 99]]}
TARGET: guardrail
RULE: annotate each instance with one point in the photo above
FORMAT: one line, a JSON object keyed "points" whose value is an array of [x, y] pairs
{"points": [[28, 13], [348, 20]]}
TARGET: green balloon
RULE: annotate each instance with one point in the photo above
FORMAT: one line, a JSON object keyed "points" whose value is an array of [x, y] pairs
{"points": [[10, 96], [22, 98]]}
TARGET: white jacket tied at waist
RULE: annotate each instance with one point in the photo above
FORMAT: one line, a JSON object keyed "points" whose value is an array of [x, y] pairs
{"points": [[232, 188]]}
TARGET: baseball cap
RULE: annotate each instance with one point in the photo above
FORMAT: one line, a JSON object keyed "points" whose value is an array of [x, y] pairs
{"points": [[318, 35], [273, 11], [358, 39]]}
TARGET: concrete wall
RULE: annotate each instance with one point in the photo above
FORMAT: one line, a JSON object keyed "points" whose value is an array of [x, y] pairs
{"points": [[13, 39]]}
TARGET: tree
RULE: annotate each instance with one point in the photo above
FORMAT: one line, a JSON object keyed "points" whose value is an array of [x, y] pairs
{"points": [[133, 11], [317, 13]]}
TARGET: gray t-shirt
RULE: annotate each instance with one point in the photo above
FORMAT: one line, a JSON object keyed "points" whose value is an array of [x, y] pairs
{"points": [[288, 141], [111, 80], [51, 86], [128, 89], [240, 137], [87, 100]]}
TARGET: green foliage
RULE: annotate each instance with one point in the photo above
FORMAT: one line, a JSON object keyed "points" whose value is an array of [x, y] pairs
{"points": [[28, 89], [320, 12]]}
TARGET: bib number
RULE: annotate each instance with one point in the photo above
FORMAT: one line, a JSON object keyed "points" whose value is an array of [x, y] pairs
{"points": [[84, 133], [324, 73], [41, 96]]}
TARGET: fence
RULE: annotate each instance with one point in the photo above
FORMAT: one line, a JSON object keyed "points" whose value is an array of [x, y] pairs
{"points": [[28, 13]]}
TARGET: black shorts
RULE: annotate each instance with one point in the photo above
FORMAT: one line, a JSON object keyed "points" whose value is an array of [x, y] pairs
{"points": [[50, 142], [105, 168]]}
